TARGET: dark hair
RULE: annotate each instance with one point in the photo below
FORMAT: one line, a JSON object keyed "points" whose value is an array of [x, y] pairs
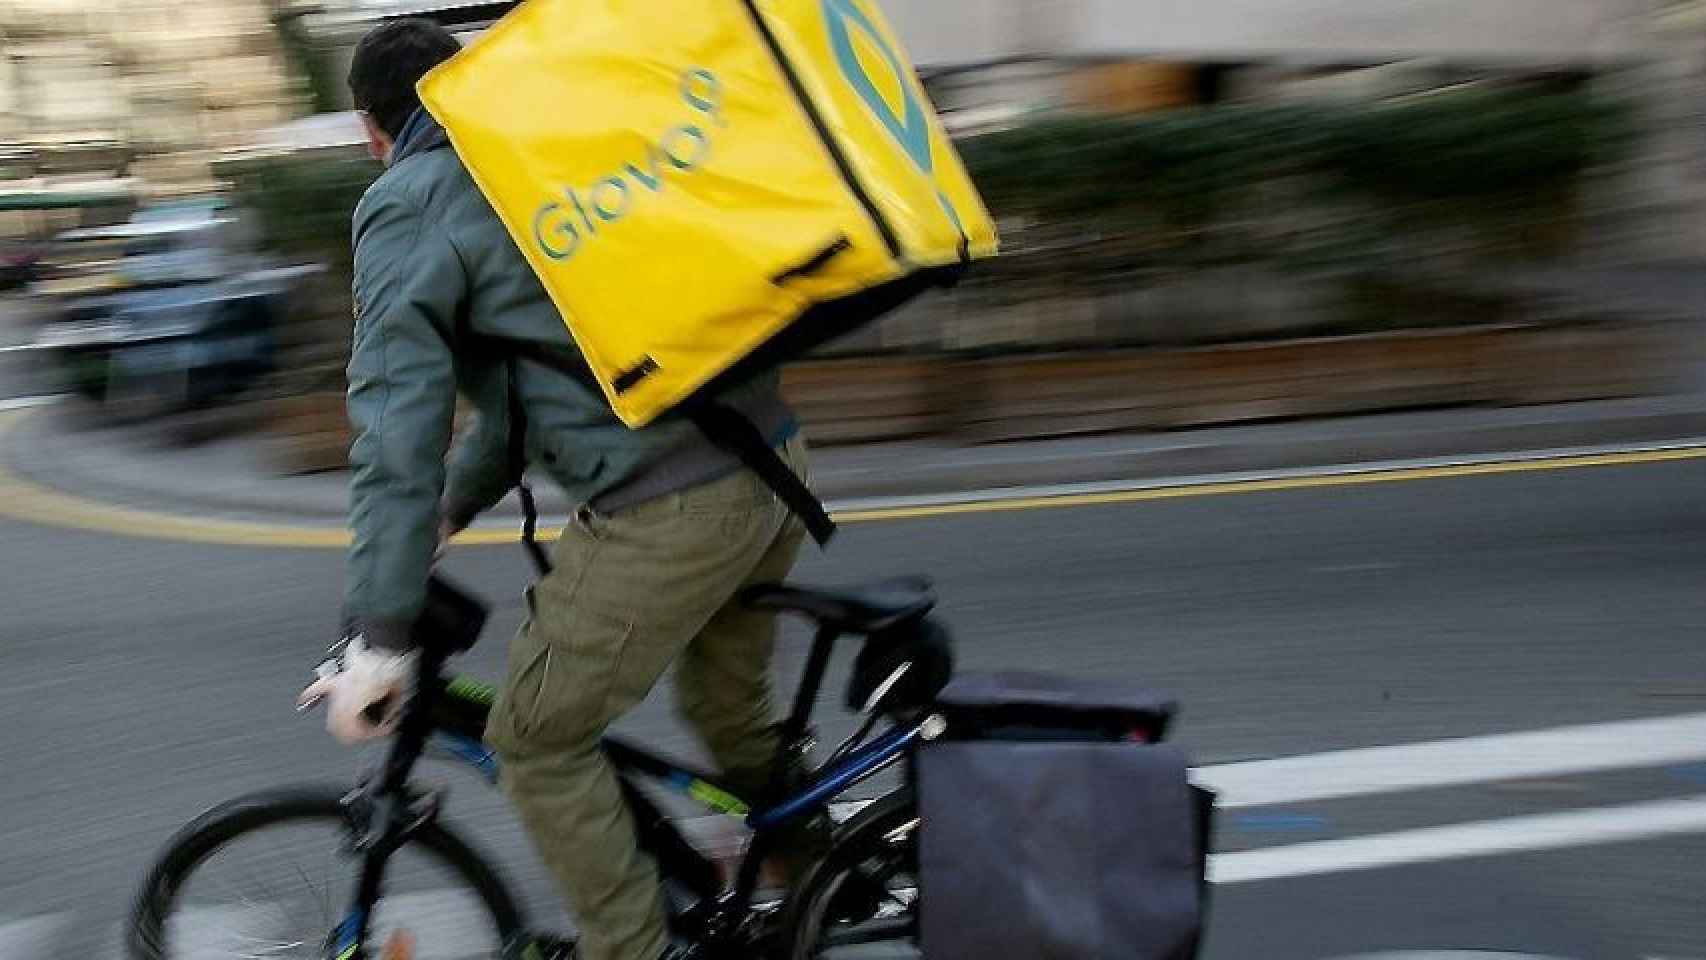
{"points": [[389, 61]]}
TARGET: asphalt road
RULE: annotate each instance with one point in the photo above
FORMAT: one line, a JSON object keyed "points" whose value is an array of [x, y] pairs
{"points": [[141, 681]]}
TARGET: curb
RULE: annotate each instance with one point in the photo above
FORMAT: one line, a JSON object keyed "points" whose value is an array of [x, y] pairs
{"points": [[46, 449], [23, 500], [50, 448]]}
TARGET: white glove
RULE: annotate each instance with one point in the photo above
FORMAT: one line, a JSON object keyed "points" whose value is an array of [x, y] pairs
{"points": [[368, 679]]}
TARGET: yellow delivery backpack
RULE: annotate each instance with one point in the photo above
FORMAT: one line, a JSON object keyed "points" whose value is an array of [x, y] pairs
{"points": [[707, 188]]}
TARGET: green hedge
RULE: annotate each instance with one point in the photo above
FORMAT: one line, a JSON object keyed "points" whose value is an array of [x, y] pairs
{"points": [[301, 206], [1320, 184], [311, 60], [302, 203], [1094, 201]]}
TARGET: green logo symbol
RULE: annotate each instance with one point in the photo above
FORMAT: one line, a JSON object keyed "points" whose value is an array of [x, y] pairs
{"points": [[911, 127]]}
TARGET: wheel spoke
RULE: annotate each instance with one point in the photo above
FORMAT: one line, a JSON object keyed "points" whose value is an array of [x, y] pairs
{"points": [[867, 908], [266, 886]]}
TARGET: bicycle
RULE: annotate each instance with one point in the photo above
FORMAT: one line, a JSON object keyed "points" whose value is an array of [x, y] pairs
{"points": [[862, 891]]}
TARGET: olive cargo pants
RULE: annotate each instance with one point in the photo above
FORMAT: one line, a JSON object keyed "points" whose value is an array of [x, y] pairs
{"points": [[632, 593]]}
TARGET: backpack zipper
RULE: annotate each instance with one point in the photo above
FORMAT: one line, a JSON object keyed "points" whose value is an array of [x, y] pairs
{"points": [[842, 164]]}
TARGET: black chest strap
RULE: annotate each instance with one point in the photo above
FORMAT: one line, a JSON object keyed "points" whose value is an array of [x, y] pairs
{"points": [[725, 427], [737, 435]]}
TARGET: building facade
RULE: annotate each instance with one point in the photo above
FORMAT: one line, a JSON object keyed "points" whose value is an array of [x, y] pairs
{"points": [[166, 83], [948, 33], [1367, 31]]}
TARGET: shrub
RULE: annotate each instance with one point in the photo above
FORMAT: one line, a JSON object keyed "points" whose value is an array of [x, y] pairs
{"points": [[301, 205], [1325, 185]]}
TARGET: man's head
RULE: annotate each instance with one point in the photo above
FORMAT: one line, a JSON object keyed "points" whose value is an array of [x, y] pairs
{"points": [[388, 62]]}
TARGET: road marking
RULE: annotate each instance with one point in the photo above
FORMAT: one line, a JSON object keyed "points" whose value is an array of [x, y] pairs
{"points": [[1549, 831], [1096, 487], [24, 500], [1450, 955], [443, 920], [1563, 751], [27, 403], [1350, 475]]}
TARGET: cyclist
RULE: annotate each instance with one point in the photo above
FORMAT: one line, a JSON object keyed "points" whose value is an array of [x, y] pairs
{"points": [[669, 529]]}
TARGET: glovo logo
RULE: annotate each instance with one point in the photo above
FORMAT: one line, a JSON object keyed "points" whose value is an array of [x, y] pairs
{"points": [[911, 126], [561, 227]]}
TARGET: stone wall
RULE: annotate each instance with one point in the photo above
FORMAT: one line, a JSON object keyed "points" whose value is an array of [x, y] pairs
{"points": [[163, 78]]}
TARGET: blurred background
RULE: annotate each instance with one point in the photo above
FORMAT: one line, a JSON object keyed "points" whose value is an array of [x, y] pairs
{"points": [[1265, 261], [1491, 188]]}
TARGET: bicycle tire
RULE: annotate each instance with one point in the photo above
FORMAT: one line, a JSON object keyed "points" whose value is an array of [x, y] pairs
{"points": [[810, 914], [201, 838]]}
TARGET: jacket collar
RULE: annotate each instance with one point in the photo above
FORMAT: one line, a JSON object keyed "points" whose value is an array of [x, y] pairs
{"points": [[422, 134]]}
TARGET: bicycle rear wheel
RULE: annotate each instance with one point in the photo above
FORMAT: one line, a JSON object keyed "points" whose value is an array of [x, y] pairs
{"points": [[861, 901], [270, 876]]}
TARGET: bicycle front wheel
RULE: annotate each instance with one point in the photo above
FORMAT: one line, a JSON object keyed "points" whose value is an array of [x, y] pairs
{"points": [[861, 901], [272, 875]]}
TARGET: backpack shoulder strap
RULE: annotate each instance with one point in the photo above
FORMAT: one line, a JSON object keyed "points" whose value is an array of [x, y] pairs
{"points": [[728, 429], [736, 434], [517, 453]]}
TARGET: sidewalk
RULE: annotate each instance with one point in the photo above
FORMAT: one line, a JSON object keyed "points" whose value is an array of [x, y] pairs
{"points": [[234, 478]]}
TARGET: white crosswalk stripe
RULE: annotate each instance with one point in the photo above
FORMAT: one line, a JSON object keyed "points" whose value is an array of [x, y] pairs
{"points": [[1448, 955], [1564, 751], [1547, 831], [26, 403], [448, 925]]}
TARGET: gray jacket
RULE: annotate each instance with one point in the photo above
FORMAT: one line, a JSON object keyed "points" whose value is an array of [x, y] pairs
{"points": [[434, 270]]}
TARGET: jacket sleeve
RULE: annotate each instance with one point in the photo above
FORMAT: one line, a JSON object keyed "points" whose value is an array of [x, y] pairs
{"points": [[481, 469], [409, 288]]}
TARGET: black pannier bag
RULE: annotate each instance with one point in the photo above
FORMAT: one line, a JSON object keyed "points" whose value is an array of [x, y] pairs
{"points": [[1058, 826]]}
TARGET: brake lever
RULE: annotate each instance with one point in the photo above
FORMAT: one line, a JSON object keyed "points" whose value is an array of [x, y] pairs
{"points": [[327, 669]]}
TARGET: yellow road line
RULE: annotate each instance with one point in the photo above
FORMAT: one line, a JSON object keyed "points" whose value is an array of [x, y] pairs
{"points": [[1226, 488], [24, 500]]}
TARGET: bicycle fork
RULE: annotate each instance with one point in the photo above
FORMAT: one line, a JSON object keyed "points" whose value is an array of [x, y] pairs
{"points": [[384, 814]]}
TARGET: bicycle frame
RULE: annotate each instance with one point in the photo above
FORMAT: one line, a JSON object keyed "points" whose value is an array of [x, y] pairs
{"points": [[452, 712]]}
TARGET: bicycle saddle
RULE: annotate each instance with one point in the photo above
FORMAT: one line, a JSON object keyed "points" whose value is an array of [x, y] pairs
{"points": [[871, 608]]}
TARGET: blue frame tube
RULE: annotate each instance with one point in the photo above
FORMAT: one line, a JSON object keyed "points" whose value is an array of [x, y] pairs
{"points": [[863, 763], [879, 754]]}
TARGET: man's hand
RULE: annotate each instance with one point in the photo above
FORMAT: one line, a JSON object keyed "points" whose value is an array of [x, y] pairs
{"points": [[365, 697]]}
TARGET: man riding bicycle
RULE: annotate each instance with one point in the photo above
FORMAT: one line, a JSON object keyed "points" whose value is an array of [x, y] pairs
{"points": [[669, 530]]}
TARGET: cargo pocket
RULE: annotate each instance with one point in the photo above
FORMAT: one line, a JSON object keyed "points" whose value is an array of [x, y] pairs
{"points": [[567, 691], [515, 715]]}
